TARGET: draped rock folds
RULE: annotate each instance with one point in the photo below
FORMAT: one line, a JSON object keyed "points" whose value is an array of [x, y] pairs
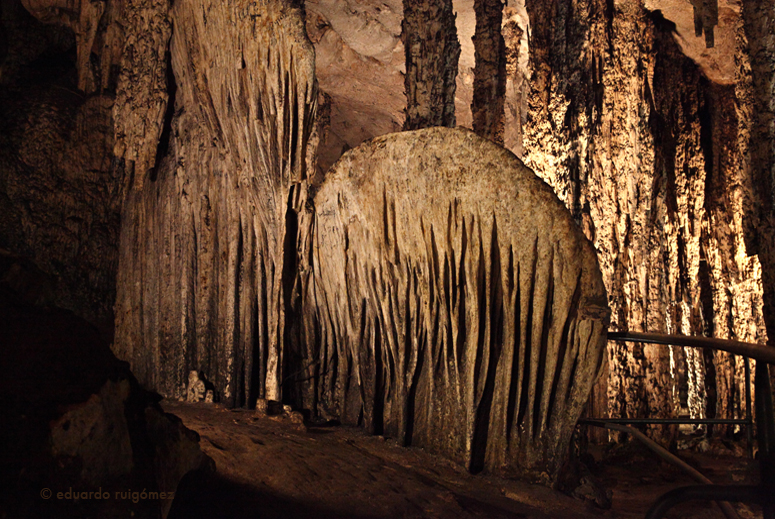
{"points": [[458, 306], [206, 255]]}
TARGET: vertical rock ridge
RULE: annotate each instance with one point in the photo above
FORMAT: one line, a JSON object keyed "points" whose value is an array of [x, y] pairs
{"points": [[487, 106], [228, 191], [432, 50], [651, 157]]}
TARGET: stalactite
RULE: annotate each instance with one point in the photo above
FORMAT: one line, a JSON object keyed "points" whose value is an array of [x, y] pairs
{"points": [[203, 281], [487, 106], [141, 96], [432, 51], [454, 304]]}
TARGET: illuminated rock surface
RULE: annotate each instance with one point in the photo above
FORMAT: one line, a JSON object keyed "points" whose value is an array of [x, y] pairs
{"points": [[207, 258], [456, 305]]}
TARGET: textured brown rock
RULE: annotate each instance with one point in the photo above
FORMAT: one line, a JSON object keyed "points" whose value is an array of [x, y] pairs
{"points": [[457, 306], [432, 51], [208, 259], [143, 93], [58, 182], [490, 70], [650, 157], [83, 19], [759, 42]]}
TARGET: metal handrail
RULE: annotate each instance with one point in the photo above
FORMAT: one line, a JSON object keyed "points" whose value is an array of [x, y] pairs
{"points": [[762, 493], [747, 350], [758, 352]]}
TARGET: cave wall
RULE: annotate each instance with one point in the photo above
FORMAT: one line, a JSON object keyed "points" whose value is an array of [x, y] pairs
{"points": [[360, 68], [208, 243], [59, 182], [650, 157], [657, 156], [757, 75]]}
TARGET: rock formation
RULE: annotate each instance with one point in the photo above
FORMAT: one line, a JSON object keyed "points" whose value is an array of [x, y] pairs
{"points": [[207, 254], [453, 303], [432, 51], [193, 122], [650, 156], [74, 418], [360, 67], [59, 202], [490, 70], [757, 78]]}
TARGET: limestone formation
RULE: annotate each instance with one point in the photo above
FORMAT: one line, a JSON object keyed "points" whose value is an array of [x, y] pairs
{"points": [[455, 305], [196, 387], [207, 253], [490, 70], [651, 157], [432, 51], [758, 76], [143, 90], [360, 66]]}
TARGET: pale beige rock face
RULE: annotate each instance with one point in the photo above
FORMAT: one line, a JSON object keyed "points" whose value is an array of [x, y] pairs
{"points": [[360, 67], [206, 258], [457, 305]]}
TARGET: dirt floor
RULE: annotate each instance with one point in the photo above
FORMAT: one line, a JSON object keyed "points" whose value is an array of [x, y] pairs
{"points": [[269, 467]]}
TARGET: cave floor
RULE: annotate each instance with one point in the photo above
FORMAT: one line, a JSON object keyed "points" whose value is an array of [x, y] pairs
{"points": [[269, 467]]}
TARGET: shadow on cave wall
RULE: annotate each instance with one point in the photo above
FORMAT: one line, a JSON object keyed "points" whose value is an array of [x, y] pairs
{"points": [[58, 183]]}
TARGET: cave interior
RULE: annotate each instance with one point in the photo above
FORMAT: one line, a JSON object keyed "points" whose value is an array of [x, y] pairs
{"points": [[364, 258]]}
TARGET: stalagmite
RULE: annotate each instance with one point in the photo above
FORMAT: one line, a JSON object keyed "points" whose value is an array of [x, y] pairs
{"points": [[207, 253], [455, 305]]}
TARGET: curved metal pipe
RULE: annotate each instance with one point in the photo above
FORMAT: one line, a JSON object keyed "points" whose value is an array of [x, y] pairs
{"points": [[726, 508]]}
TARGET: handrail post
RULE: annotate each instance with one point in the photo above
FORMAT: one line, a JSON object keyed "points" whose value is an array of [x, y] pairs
{"points": [[748, 413]]}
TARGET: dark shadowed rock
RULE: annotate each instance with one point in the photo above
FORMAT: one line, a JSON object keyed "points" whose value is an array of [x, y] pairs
{"points": [[75, 419]]}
